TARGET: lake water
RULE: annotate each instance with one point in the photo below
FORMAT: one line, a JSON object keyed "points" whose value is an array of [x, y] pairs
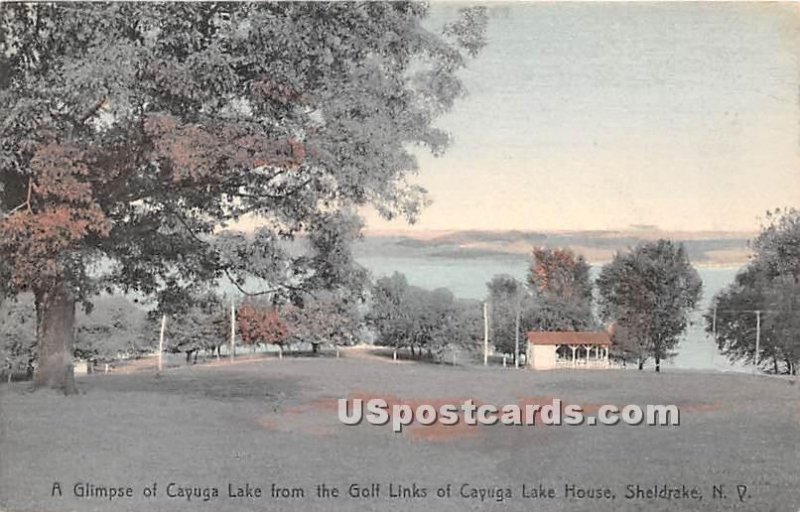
{"points": [[467, 278]]}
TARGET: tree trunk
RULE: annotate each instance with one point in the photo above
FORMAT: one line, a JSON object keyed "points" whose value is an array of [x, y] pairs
{"points": [[658, 363], [55, 315], [641, 363]]}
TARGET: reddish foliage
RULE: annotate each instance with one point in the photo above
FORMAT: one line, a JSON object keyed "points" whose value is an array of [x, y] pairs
{"points": [[557, 272], [195, 153], [261, 325], [60, 213], [281, 93]]}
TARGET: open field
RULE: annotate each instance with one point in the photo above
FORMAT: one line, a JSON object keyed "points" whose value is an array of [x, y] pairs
{"points": [[275, 421]]}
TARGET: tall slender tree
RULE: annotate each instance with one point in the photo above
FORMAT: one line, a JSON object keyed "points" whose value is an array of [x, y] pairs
{"points": [[509, 301]]}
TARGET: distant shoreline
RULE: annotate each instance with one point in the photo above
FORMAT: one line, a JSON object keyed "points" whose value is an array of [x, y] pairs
{"points": [[707, 249], [426, 234]]}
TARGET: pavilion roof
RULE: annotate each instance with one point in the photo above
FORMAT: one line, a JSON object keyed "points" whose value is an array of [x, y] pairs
{"points": [[569, 338]]}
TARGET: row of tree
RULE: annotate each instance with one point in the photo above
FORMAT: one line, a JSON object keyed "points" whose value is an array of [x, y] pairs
{"points": [[646, 293], [400, 315], [119, 328], [426, 321]]}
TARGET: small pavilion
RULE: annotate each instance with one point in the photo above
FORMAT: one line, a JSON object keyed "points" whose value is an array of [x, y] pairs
{"points": [[548, 350]]}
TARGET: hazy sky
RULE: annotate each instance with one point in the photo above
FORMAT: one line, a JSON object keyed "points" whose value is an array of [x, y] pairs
{"points": [[603, 116]]}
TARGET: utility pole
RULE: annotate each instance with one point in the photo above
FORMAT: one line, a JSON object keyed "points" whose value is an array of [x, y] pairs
{"points": [[485, 334], [233, 330], [516, 338], [161, 343], [758, 337], [714, 324]]}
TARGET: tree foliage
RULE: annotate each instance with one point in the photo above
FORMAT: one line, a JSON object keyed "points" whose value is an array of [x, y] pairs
{"points": [[17, 335], [562, 287], [770, 284], [423, 320], [261, 323], [556, 297], [201, 326], [133, 131], [323, 319], [508, 299], [116, 327], [648, 293], [560, 273]]}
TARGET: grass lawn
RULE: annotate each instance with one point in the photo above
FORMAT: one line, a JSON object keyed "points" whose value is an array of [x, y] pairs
{"points": [[259, 423]]}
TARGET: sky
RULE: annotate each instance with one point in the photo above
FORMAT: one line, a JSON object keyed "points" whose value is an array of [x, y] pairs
{"points": [[610, 116]]}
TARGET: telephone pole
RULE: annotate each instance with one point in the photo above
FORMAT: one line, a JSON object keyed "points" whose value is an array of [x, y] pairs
{"points": [[516, 338], [485, 334], [757, 355], [714, 324], [233, 330], [161, 343], [758, 337]]}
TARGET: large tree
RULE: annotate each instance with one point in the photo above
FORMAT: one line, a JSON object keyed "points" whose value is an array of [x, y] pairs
{"points": [[648, 293], [766, 292], [131, 132], [562, 288]]}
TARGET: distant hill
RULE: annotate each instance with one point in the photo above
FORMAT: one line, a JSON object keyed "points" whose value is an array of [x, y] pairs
{"points": [[705, 248]]}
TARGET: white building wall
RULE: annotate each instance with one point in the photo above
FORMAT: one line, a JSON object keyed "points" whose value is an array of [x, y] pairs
{"points": [[543, 357]]}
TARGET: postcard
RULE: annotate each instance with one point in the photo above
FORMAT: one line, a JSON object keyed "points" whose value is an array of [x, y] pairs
{"points": [[365, 256]]}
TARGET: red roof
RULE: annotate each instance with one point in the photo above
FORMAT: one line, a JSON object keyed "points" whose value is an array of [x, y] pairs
{"points": [[569, 338]]}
